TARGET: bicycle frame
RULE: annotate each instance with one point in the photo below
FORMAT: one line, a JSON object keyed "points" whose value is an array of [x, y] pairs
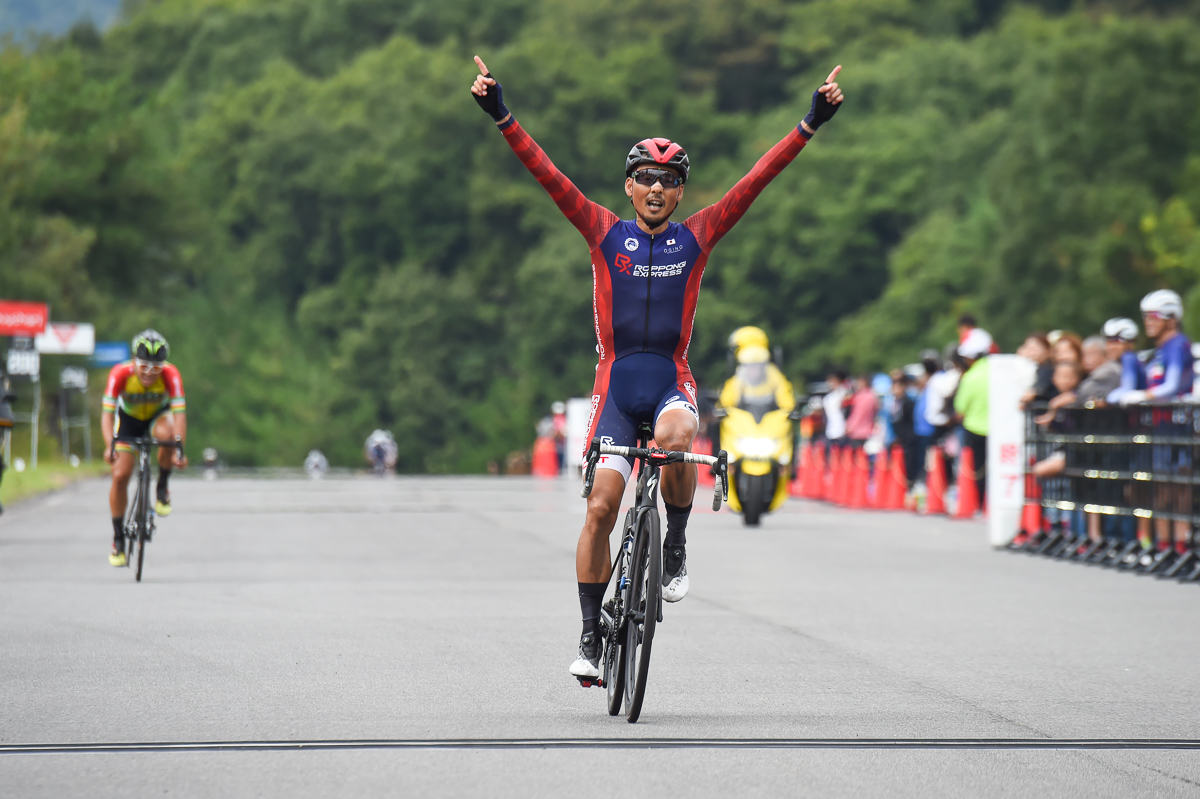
{"points": [[139, 520], [626, 606]]}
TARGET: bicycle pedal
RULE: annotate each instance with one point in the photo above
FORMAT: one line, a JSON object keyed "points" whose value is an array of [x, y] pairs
{"points": [[586, 683]]}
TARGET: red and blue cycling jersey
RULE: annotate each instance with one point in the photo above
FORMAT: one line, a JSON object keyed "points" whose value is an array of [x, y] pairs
{"points": [[645, 287], [1169, 373]]}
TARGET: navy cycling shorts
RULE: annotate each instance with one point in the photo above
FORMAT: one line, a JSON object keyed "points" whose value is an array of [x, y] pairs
{"points": [[637, 388]]}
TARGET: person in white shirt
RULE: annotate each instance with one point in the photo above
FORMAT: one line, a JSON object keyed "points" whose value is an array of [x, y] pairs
{"points": [[835, 418]]}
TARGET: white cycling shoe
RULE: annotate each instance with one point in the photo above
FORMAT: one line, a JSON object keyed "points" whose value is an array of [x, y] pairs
{"points": [[587, 664], [674, 584]]}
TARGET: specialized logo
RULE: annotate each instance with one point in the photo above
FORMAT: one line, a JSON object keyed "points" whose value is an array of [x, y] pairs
{"points": [[623, 262], [631, 244]]}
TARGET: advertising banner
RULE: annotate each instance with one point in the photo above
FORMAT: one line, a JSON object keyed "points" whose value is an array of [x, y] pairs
{"points": [[110, 353], [1009, 377], [23, 318], [66, 338]]}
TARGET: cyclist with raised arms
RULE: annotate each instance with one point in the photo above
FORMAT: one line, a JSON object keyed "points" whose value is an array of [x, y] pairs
{"points": [[646, 276], [139, 394]]}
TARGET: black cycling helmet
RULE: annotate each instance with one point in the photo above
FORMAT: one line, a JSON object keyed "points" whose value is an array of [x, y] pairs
{"points": [[658, 152], [150, 346]]}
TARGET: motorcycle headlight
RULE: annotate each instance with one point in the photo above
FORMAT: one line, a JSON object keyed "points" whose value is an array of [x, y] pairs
{"points": [[758, 448]]}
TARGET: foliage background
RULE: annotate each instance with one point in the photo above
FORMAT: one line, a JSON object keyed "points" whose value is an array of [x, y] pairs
{"points": [[301, 195]]}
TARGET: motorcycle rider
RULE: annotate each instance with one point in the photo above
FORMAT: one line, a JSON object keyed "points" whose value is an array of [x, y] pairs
{"points": [[757, 386]]}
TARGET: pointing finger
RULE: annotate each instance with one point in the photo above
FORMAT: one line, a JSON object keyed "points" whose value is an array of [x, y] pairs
{"points": [[832, 75], [483, 70]]}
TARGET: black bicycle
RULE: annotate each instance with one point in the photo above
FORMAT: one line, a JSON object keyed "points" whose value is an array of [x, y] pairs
{"points": [[628, 618], [139, 518]]}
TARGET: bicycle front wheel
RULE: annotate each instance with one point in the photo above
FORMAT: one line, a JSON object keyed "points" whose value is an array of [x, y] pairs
{"points": [[142, 504], [645, 598]]}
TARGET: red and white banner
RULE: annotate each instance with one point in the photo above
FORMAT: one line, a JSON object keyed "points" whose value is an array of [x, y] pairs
{"points": [[66, 338], [23, 318]]}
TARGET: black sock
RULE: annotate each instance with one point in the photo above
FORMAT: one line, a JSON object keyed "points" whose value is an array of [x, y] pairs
{"points": [[590, 597], [677, 519], [163, 476], [118, 529]]}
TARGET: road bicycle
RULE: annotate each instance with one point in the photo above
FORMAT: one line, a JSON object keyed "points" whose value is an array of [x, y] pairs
{"points": [[628, 618], [139, 518]]}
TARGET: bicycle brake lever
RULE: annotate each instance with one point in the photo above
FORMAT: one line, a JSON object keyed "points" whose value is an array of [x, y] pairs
{"points": [[589, 473]]}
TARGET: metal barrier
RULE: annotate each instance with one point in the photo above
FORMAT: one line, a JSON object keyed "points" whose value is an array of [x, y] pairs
{"points": [[1130, 467]]}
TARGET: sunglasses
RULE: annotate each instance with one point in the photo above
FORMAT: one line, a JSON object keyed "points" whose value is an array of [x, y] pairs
{"points": [[648, 177], [1154, 315], [148, 366]]}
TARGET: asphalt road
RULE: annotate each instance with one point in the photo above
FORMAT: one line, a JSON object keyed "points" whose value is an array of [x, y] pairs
{"points": [[444, 610]]}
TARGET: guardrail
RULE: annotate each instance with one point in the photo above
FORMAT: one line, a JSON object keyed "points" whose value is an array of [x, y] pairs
{"points": [[1114, 486]]}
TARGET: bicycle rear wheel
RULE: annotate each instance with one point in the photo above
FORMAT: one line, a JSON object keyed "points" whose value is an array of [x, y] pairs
{"points": [[614, 665], [645, 598]]}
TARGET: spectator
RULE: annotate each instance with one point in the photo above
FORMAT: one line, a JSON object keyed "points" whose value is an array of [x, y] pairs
{"points": [[1036, 348], [971, 401], [1067, 376], [967, 323], [1169, 373], [903, 424], [939, 404], [1169, 377], [1067, 346], [923, 431], [863, 408], [831, 404], [1121, 333], [1103, 372]]}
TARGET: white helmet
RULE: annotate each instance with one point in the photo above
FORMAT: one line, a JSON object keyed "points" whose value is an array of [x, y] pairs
{"points": [[1163, 302], [1122, 328]]}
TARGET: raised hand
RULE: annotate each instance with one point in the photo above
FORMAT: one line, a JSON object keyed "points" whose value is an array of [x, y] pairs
{"points": [[825, 102], [488, 93]]}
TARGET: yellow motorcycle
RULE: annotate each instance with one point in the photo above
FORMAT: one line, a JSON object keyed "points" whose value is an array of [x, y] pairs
{"points": [[759, 443]]}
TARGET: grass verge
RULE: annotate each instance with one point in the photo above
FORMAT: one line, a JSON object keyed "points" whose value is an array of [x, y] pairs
{"points": [[51, 476]]}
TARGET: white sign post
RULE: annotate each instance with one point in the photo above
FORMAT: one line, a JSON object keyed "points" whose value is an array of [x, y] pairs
{"points": [[1009, 376], [578, 415]]}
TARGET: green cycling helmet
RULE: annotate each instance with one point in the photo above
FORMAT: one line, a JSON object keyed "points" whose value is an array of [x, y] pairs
{"points": [[149, 345]]}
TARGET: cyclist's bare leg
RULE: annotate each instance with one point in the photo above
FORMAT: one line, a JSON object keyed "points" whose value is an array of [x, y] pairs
{"points": [[118, 495], [675, 431], [164, 430], [593, 563]]}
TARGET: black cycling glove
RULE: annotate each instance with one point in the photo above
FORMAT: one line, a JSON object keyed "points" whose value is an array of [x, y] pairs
{"points": [[821, 112], [493, 101]]}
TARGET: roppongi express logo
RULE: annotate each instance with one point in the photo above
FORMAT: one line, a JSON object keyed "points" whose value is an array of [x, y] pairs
{"points": [[623, 262]]}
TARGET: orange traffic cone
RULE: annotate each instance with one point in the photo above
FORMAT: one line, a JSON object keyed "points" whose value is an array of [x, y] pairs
{"points": [[803, 467], [895, 481], [876, 497], [859, 475], [702, 445], [935, 484], [545, 458], [968, 492], [1031, 513], [816, 482], [838, 472]]}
